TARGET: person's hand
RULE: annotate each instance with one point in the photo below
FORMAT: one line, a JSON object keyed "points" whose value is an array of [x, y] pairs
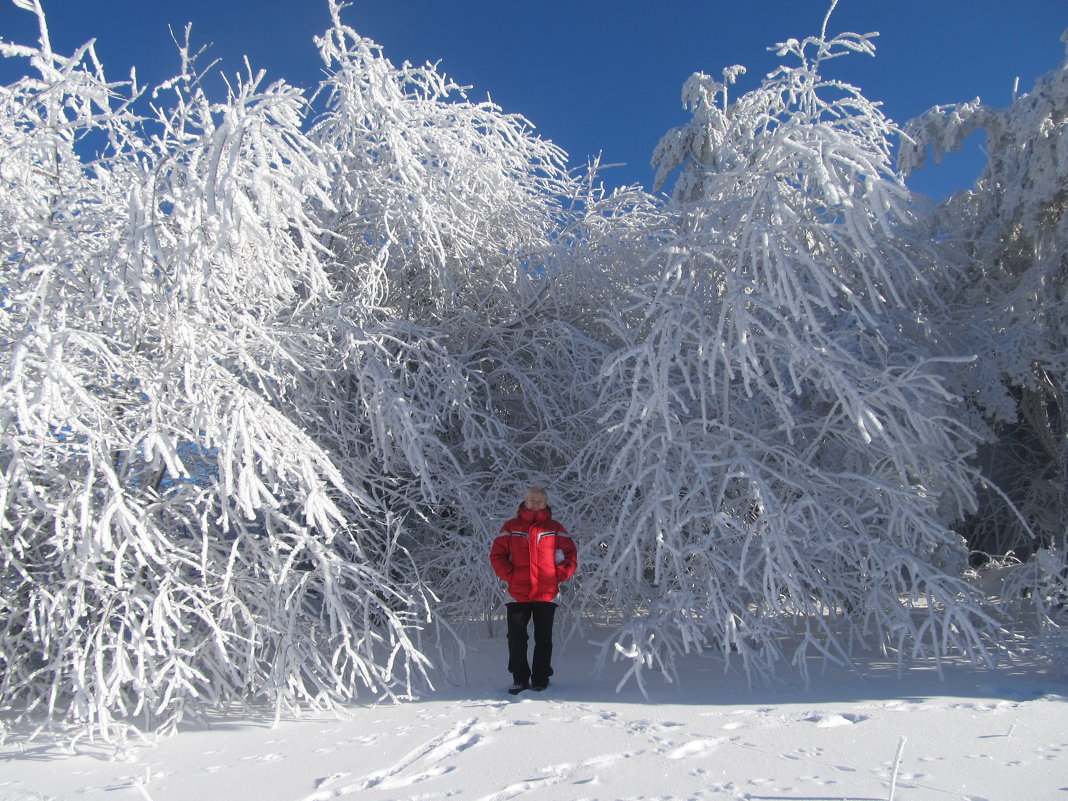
{"points": [[559, 558]]}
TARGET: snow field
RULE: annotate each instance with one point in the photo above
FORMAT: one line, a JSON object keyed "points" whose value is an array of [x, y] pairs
{"points": [[980, 736]]}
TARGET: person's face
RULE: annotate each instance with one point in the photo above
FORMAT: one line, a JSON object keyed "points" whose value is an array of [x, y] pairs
{"points": [[535, 502]]}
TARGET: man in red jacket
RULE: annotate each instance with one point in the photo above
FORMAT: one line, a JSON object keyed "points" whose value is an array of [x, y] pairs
{"points": [[533, 554]]}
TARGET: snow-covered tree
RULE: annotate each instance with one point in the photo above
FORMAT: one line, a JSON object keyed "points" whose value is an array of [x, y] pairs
{"points": [[778, 452], [1011, 311], [442, 221], [172, 536], [1013, 225]]}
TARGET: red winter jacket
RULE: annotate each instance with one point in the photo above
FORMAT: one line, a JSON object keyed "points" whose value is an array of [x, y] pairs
{"points": [[524, 555]]}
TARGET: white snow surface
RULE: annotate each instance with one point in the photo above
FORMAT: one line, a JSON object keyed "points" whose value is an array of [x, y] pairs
{"points": [[971, 734]]}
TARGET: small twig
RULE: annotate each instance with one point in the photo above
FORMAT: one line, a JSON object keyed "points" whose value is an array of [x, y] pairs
{"points": [[897, 766], [139, 785]]}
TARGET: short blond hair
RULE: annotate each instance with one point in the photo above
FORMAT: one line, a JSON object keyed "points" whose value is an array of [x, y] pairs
{"points": [[537, 490]]}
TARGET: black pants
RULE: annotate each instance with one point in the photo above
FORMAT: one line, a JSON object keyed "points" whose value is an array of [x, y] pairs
{"points": [[519, 615]]}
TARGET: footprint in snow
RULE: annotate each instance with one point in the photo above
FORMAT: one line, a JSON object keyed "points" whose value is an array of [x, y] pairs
{"points": [[694, 747], [262, 758], [835, 719], [326, 781]]}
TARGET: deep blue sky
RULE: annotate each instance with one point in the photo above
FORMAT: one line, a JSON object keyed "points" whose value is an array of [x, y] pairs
{"points": [[595, 75]]}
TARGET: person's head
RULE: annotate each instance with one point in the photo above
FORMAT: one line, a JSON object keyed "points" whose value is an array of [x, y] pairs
{"points": [[536, 499]]}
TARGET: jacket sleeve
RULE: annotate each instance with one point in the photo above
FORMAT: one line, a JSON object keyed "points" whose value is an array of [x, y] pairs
{"points": [[566, 569], [501, 558]]}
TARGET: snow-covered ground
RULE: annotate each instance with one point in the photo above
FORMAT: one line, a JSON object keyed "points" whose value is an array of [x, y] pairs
{"points": [[999, 736]]}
